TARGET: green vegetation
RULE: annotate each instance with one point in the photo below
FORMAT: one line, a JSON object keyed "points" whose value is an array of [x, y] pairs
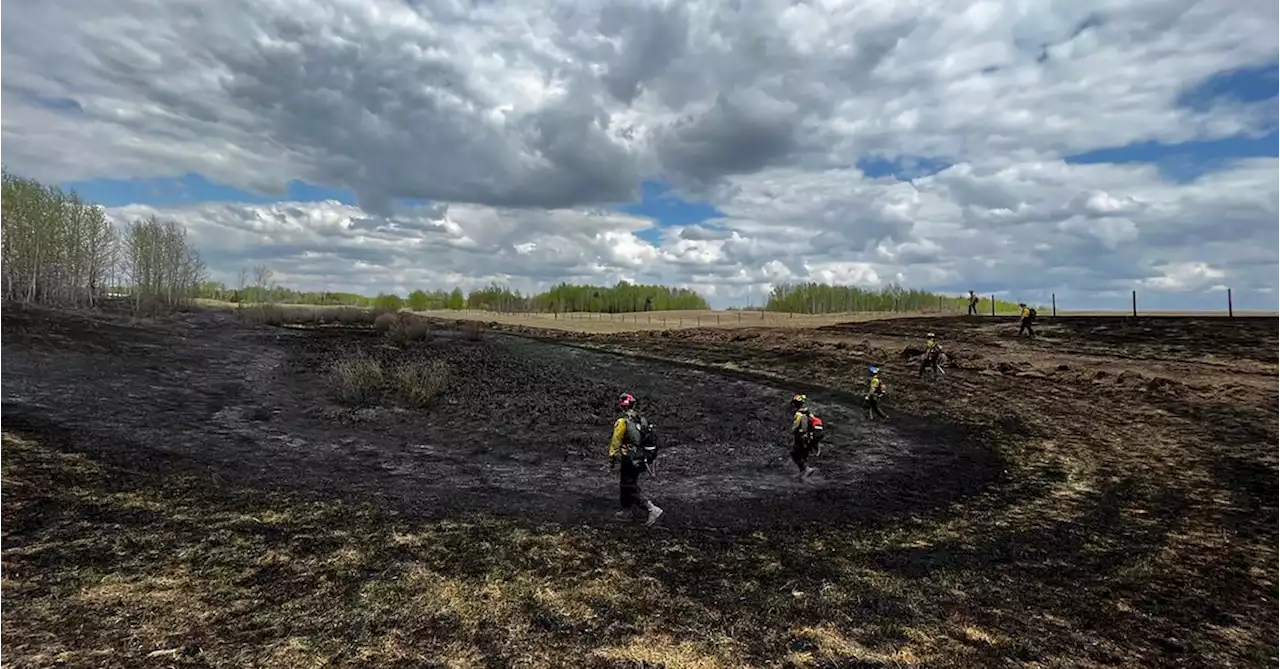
{"points": [[60, 250], [622, 298], [821, 298]]}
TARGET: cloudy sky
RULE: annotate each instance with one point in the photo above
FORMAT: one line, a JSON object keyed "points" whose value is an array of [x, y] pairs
{"points": [[1083, 148]]}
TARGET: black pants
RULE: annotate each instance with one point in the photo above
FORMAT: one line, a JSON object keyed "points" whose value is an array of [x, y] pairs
{"points": [[973, 308], [929, 361], [802, 449], [1025, 326], [873, 407], [629, 488]]}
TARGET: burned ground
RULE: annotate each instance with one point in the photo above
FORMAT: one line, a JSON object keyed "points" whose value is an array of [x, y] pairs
{"points": [[189, 489]]}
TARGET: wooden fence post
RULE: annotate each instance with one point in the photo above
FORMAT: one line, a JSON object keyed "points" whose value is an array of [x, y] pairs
{"points": [[1054, 297], [1231, 311], [1135, 304], [993, 305]]}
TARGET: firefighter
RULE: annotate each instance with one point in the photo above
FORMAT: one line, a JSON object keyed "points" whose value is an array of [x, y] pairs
{"points": [[875, 391], [632, 446], [807, 433]]}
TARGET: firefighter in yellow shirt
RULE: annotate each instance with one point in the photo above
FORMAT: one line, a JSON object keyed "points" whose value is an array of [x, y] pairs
{"points": [[630, 445], [1026, 319], [875, 391], [807, 432], [932, 354]]}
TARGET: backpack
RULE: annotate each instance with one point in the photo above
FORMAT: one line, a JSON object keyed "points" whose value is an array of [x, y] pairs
{"points": [[641, 442], [1031, 312], [813, 428]]}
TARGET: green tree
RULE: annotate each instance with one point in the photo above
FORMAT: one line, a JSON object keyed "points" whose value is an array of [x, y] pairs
{"points": [[419, 300], [388, 302], [624, 297], [819, 298], [456, 300]]}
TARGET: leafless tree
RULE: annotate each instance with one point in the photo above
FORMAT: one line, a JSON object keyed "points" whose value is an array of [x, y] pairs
{"points": [[262, 282], [60, 250]]}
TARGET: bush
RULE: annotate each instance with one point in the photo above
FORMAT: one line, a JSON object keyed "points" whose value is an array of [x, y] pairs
{"points": [[351, 316], [420, 384], [357, 380], [407, 328], [361, 381], [384, 322], [265, 314]]}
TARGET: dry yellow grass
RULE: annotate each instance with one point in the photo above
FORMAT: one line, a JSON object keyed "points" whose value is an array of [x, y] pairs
{"points": [[663, 320]]}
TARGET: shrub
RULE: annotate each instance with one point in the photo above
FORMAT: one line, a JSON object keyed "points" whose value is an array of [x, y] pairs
{"points": [[388, 302], [407, 328], [265, 314], [357, 380], [303, 315], [352, 316], [384, 322], [420, 384]]}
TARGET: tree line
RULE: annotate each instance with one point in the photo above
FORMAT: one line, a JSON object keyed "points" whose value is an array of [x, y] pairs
{"points": [[60, 250], [621, 298], [821, 298]]}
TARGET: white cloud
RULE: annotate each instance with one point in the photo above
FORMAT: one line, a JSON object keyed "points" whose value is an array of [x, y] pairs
{"points": [[838, 238], [1184, 276], [528, 116]]}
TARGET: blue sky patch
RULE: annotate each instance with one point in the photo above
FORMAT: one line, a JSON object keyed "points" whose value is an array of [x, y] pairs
{"points": [[1257, 83], [193, 189], [902, 168], [1187, 161], [659, 202]]}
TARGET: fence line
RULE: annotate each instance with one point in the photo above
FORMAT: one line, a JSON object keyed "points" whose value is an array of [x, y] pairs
{"points": [[1134, 312], [681, 318]]}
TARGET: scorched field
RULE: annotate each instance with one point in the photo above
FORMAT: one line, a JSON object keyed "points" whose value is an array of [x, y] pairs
{"points": [[203, 491]]}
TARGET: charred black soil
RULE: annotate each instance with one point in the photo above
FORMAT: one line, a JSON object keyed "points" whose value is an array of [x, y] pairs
{"points": [[188, 492]]}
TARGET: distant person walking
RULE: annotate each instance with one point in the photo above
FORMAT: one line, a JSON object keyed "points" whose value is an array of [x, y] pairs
{"points": [[973, 304], [875, 391], [633, 445], [1026, 320]]}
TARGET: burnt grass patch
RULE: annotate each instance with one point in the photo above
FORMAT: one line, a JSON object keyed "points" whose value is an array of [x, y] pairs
{"points": [[197, 497]]}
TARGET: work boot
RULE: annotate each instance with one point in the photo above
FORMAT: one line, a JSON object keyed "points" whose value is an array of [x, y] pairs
{"points": [[804, 475], [654, 512], [625, 514]]}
